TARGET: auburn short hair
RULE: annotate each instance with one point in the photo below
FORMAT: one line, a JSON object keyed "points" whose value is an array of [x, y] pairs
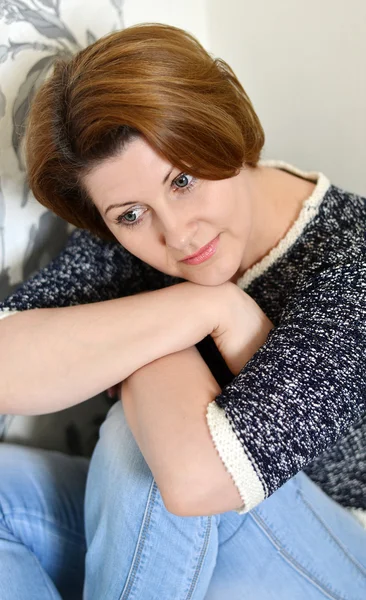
{"points": [[150, 80]]}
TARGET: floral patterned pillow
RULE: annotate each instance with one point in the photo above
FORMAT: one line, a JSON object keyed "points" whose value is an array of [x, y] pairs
{"points": [[33, 33]]}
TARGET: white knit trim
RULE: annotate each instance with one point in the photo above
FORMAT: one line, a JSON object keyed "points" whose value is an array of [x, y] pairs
{"points": [[234, 458], [6, 312], [359, 514], [309, 209]]}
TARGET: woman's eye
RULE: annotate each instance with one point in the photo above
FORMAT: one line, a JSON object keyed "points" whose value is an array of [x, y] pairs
{"points": [[130, 218], [184, 182]]}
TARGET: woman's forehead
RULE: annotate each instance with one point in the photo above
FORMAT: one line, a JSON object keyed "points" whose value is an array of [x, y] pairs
{"points": [[129, 175]]}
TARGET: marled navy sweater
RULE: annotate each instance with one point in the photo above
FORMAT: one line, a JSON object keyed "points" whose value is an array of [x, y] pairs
{"points": [[300, 402]]}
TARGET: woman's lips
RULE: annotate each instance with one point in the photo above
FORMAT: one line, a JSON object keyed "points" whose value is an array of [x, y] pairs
{"points": [[203, 254]]}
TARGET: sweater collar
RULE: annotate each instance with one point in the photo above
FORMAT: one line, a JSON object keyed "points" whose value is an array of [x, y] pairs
{"points": [[309, 210]]}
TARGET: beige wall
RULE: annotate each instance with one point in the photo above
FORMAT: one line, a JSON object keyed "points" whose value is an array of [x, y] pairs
{"points": [[302, 62], [187, 14]]}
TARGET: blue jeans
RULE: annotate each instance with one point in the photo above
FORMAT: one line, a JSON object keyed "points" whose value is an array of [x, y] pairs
{"points": [[296, 545]]}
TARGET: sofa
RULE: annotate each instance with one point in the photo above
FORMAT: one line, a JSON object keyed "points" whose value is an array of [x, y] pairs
{"points": [[33, 33]]}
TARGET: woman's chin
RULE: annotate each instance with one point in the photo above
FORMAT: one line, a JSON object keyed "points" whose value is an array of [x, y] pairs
{"points": [[211, 276]]}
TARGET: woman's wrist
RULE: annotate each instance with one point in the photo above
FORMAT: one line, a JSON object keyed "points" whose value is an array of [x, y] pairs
{"points": [[239, 326], [169, 320], [206, 306]]}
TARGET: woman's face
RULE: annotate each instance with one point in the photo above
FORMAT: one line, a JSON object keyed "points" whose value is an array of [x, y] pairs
{"points": [[164, 216]]}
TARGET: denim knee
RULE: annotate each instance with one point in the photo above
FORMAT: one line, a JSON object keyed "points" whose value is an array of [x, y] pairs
{"points": [[132, 539]]}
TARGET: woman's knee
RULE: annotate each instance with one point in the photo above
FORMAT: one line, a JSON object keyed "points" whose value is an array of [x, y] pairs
{"points": [[33, 478], [318, 539], [131, 537]]}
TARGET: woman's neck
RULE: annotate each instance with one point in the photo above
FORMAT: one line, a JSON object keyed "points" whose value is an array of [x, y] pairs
{"points": [[277, 199]]}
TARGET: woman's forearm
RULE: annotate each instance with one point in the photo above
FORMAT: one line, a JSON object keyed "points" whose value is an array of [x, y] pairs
{"points": [[165, 406], [55, 358]]}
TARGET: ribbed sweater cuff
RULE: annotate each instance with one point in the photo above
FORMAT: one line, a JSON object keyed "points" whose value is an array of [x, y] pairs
{"points": [[237, 462]]}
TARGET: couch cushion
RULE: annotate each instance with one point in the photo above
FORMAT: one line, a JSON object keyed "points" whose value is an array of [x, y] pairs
{"points": [[32, 35]]}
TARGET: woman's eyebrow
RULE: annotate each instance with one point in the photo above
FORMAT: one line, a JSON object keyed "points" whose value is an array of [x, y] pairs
{"points": [[117, 206], [129, 203]]}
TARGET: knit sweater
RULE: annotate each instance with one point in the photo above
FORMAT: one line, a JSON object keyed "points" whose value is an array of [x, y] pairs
{"points": [[300, 401]]}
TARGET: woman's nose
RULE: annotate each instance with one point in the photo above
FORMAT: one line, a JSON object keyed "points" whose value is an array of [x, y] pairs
{"points": [[177, 233], [178, 240]]}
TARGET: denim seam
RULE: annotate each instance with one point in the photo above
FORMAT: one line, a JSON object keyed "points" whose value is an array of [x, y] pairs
{"points": [[140, 543], [294, 563], [201, 557], [337, 541], [18, 514]]}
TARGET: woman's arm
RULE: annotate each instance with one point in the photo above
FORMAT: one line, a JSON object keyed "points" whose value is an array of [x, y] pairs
{"points": [[305, 387], [93, 327], [165, 405], [53, 358], [301, 391]]}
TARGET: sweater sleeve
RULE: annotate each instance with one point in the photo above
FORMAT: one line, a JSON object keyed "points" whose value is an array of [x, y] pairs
{"points": [[87, 270], [302, 390]]}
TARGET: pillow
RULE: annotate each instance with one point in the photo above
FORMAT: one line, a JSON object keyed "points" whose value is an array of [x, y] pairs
{"points": [[33, 33]]}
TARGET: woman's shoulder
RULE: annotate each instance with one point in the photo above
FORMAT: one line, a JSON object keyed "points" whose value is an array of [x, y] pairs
{"points": [[342, 219], [87, 253], [88, 269], [332, 254], [98, 259], [322, 258]]}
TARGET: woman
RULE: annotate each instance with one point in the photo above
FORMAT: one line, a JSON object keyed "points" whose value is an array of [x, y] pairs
{"points": [[195, 488]]}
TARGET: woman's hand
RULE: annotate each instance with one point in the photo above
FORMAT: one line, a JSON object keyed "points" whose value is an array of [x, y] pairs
{"points": [[236, 323], [241, 326]]}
